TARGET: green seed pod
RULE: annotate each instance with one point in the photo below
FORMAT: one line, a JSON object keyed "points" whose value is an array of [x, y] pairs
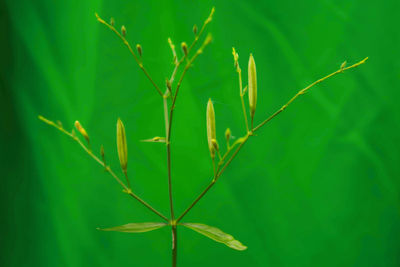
{"points": [[122, 146], [252, 86], [83, 132], [211, 132]]}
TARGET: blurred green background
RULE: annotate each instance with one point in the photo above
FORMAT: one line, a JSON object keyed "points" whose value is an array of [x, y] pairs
{"points": [[318, 186]]}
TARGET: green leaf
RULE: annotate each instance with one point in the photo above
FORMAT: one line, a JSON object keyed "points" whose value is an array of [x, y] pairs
{"points": [[135, 227], [216, 234]]}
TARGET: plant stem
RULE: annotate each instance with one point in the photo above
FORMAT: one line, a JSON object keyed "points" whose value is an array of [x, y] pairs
{"points": [[303, 91], [126, 43], [171, 203], [168, 125], [174, 245], [246, 137], [214, 180], [168, 145], [107, 168], [239, 71]]}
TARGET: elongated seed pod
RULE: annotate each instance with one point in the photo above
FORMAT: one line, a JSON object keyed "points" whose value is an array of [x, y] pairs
{"points": [[122, 146], [211, 132], [252, 83]]}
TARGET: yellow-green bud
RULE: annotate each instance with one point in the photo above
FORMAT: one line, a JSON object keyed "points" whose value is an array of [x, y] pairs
{"points": [[83, 132], [228, 134], [168, 83], [102, 152], [139, 49], [112, 21], [184, 48], [123, 30], [343, 65], [235, 58]]}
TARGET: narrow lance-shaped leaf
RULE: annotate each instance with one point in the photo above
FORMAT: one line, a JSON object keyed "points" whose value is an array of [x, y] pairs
{"points": [[211, 132], [122, 146], [135, 227], [252, 81], [156, 139], [216, 235]]}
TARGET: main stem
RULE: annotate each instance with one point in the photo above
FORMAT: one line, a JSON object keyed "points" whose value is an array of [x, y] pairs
{"points": [[174, 245], [171, 203]]}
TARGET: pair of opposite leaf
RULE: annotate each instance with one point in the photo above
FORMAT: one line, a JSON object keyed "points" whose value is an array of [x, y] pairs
{"points": [[209, 231]]}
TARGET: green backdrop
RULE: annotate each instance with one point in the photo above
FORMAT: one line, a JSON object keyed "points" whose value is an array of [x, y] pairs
{"points": [[318, 186]]}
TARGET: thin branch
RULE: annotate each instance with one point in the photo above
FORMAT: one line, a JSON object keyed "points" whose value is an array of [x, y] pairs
{"points": [[241, 92], [247, 136], [188, 65], [196, 38], [168, 144], [214, 180], [107, 168], [303, 91], [126, 43]]}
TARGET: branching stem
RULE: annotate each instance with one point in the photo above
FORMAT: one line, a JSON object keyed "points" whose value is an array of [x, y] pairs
{"points": [[107, 168], [246, 137], [138, 61], [232, 150]]}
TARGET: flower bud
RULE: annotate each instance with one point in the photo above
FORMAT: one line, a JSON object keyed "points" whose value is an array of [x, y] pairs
{"points": [[102, 153], [228, 134], [139, 49], [211, 132], [184, 48], [208, 39], [123, 30], [343, 65], [83, 132], [122, 146], [112, 21], [195, 29], [235, 58], [168, 83], [252, 86]]}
